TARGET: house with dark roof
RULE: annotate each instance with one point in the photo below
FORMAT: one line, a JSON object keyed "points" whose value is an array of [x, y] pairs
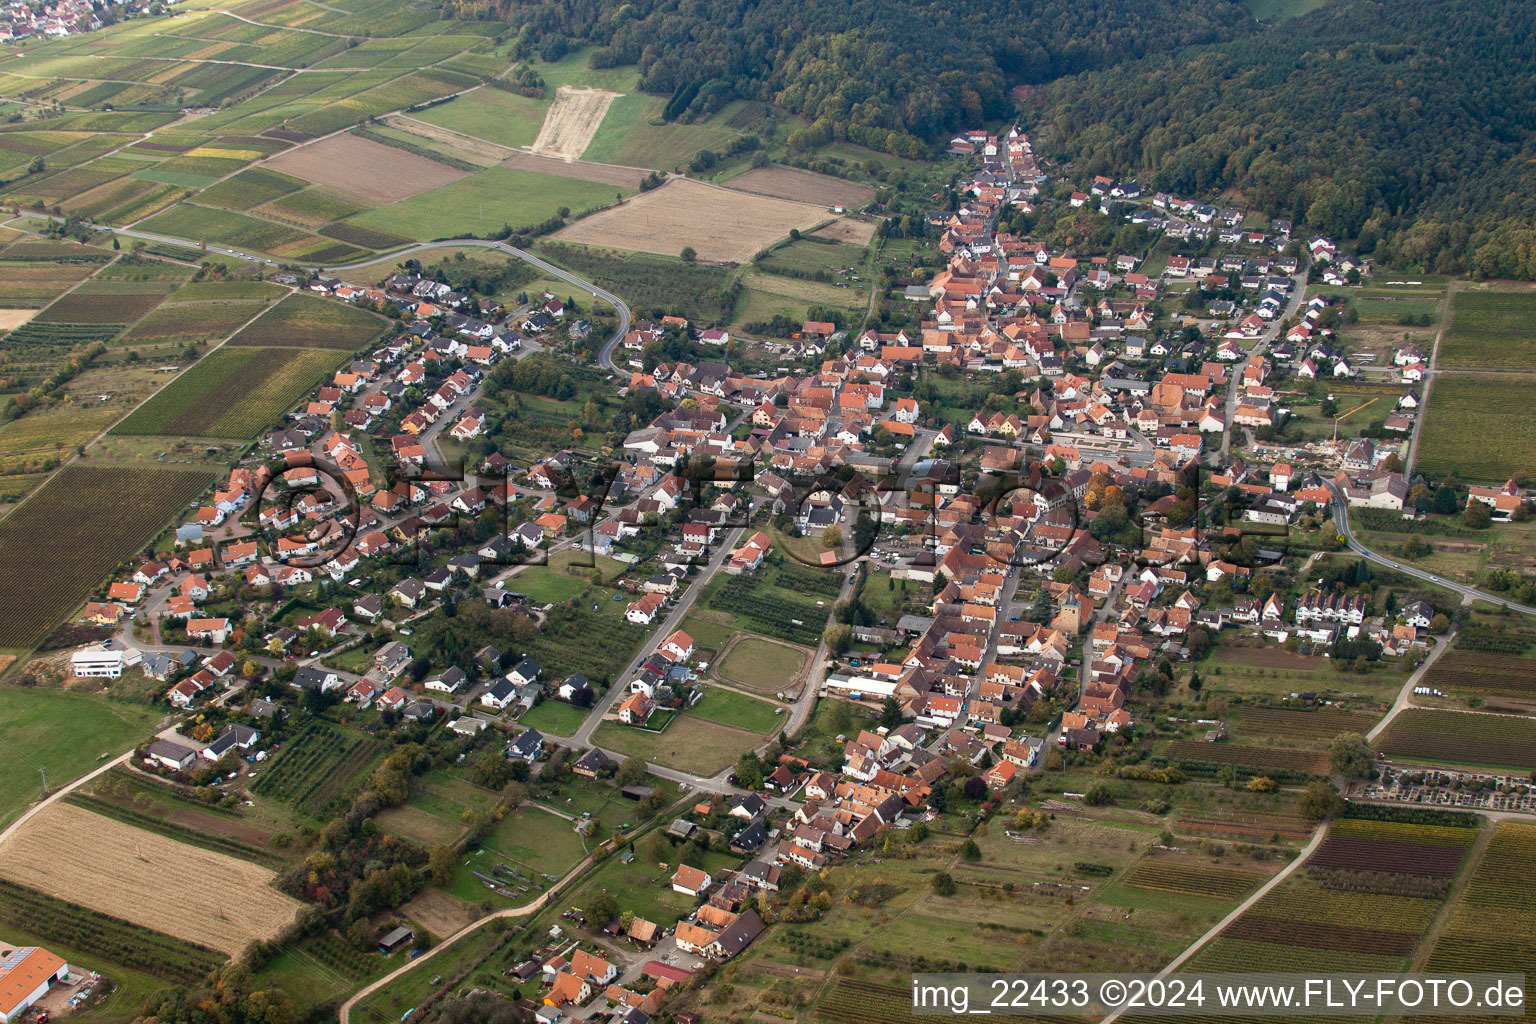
{"points": [[527, 746]]}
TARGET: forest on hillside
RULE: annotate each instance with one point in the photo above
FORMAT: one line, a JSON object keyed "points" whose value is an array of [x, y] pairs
{"points": [[1407, 124], [894, 75]]}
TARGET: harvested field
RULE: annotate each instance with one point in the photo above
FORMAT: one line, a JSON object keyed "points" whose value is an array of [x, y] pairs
{"points": [[719, 224], [602, 174], [10, 319], [438, 912], [803, 187], [369, 170], [142, 877], [846, 229], [571, 121]]}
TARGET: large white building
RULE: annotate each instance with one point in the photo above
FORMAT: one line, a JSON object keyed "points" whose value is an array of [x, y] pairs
{"points": [[103, 662], [26, 975]]}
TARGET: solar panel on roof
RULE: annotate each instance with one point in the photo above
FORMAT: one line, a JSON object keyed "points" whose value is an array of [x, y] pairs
{"points": [[15, 957]]}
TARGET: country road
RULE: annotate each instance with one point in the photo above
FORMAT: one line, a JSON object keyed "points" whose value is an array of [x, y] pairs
{"points": [[345, 1013], [605, 355], [1341, 522], [61, 792]]}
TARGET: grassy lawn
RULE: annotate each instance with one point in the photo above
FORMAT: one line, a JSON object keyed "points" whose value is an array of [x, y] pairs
{"points": [[419, 826], [576, 796], [690, 744], [446, 794], [66, 733], [355, 659], [707, 632], [537, 839], [581, 563], [495, 196], [1276, 672], [628, 137], [762, 665], [544, 585], [737, 709], [491, 114], [641, 886], [553, 716]]}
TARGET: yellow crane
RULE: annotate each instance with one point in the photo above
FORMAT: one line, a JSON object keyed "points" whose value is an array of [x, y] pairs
{"points": [[1347, 415]]}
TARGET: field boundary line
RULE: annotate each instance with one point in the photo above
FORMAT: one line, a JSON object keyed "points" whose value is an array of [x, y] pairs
{"points": [[454, 131], [10, 830], [1447, 301], [1452, 902], [1239, 910], [759, 195]]}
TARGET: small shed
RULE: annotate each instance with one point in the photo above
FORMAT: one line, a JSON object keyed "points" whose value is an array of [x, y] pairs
{"points": [[395, 938]]}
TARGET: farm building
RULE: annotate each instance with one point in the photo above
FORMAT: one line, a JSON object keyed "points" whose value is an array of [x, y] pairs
{"points": [[26, 975], [395, 938], [172, 755]]}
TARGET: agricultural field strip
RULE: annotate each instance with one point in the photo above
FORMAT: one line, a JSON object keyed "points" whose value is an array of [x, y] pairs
{"points": [[1462, 737], [1491, 927], [172, 830], [315, 767], [1192, 879], [113, 939], [32, 546], [101, 862]]}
